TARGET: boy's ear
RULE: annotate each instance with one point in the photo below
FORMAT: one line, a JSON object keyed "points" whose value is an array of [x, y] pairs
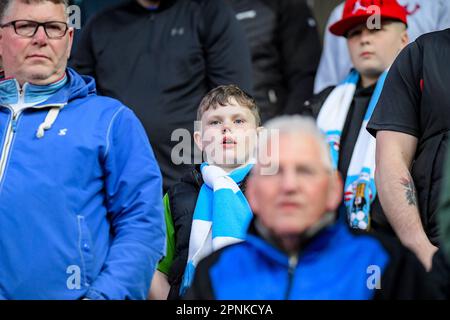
{"points": [[405, 38], [198, 140]]}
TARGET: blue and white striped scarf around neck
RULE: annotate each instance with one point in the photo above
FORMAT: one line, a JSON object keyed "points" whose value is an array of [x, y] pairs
{"points": [[221, 216], [360, 190]]}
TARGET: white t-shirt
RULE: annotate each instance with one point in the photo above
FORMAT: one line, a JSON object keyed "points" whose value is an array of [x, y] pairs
{"points": [[423, 16]]}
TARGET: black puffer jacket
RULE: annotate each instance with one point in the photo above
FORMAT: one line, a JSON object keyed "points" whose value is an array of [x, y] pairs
{"points": [[183, 198]]}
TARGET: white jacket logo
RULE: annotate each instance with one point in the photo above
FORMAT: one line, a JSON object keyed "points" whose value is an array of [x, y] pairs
{"points": [[177, 31], [246, 15], [62, 132]]}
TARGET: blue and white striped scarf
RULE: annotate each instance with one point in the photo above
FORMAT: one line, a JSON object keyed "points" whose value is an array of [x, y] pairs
{"points": [[221, 216], [360, 190]]}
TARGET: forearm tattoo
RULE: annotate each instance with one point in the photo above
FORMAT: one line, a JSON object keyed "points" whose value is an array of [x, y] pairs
{"points": [[410, 191]]}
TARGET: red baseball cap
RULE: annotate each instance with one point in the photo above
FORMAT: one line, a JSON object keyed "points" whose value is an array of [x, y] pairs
{"points": [[358, 11]]}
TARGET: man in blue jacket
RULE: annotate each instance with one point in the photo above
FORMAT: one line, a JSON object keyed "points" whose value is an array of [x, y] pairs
{"points": [[295, 249], [80, 191]]}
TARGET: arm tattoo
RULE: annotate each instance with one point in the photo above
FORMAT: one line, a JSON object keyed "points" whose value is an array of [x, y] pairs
{"points": [[410, 191]]}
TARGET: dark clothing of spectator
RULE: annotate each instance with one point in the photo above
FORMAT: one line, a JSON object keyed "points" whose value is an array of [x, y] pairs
{"points": [[415, 101], [285, 49]]}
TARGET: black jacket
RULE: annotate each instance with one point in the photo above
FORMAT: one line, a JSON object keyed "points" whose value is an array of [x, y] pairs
{"points": [[183, 198], [162, 62], [285, 48]]}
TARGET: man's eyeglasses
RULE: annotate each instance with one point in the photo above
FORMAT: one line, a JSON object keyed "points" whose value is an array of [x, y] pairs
{"points": [[28, 28]]}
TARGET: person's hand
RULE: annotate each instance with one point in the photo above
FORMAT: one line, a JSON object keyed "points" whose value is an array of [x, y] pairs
{"points": [[425, 256]]}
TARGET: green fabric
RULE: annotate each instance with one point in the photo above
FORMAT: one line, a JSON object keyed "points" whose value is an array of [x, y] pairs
{"points": [[166, 263], [444, 210]]}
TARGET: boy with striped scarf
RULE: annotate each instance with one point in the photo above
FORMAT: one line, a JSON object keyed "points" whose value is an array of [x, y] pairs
{"points": [[207, 209], [376, 32]]}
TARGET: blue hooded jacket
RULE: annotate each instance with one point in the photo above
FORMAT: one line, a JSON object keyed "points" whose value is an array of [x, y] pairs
{"points": [[80, 198]]}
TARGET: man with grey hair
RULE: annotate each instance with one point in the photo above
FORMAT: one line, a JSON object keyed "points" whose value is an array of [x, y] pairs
{"points": [[295, 249], [80, 191]]}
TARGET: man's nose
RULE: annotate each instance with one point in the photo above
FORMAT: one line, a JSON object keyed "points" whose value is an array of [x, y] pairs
{"points": [[40, 36], [226, 126], [365, 36], [289, 182]]}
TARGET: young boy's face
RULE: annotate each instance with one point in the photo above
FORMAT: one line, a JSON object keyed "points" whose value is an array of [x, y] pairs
{"points": [[228, 135], [373, 51]]}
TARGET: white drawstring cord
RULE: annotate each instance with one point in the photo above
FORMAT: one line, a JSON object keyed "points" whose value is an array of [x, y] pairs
{"points": [[48, 122]]}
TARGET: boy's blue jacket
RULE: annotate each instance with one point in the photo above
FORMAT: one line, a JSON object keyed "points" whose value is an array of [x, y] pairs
{"points": [[80, 208]]}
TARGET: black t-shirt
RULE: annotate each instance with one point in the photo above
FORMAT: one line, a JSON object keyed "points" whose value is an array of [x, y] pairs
{"points": [[416, 101]]}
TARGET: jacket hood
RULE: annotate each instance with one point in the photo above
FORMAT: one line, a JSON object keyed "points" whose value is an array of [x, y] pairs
{"points": [[76, 87]]}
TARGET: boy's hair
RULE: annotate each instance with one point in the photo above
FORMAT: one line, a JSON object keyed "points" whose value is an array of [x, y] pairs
{"points": [[5, 4], [221, 96]]}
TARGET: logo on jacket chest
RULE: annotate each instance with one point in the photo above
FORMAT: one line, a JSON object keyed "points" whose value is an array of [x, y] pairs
{"points": [[177, 32], [250, 14]]}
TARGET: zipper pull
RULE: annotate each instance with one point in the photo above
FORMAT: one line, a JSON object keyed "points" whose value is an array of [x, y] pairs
{"points": [[22, 93], [293, 260], [14, 122]]}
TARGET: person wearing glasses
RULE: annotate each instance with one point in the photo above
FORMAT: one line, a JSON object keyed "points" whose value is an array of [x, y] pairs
{"points": [[81, 214]]}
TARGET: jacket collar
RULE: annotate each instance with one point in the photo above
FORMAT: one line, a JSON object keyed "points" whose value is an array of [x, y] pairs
{"points": [[310, 248], [12, 93], [57, 94]]}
